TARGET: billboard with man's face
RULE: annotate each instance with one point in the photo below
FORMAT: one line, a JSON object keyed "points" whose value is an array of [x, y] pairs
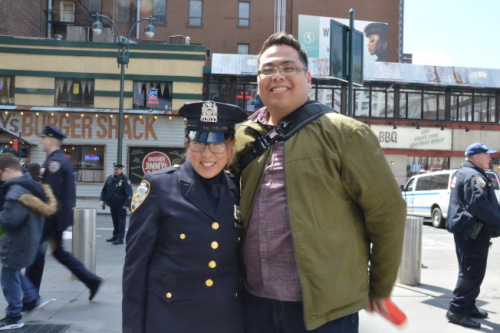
{"points": [[314, 35]]}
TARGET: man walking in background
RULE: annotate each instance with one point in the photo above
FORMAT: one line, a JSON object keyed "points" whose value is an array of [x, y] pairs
{"points": [[58, 173], [117, 193]]}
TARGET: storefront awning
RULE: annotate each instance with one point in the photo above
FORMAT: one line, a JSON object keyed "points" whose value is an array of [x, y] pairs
{"points": [[14, 135]]}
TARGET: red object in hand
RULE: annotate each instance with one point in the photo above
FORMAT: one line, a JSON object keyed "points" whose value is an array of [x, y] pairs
{"points": [[394, 315]]}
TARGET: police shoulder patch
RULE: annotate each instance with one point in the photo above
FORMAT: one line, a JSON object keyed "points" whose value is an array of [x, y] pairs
{"points": [[140, 195], [480, 182], [53, 166]]}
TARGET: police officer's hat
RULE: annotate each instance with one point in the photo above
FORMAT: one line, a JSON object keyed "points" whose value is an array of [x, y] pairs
{"points": [[117, 165], [53, 132], [210, 121], [477, 148]]}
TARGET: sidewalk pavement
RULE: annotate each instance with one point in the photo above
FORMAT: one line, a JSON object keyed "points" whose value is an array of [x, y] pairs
{"points": [[425, 305]]}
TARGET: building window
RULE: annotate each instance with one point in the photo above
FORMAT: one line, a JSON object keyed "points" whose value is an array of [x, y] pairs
{"points": [[123, 11], [160, 11], [328, 95], [87, 161], [244, 14], [361, 102], [195, 13], [243, 48], [246, 96], [7, 89], [420, 164], [95, 6], [472, 107], [153, 95], [410, 104], [433, 106], [67, 11], [74, 92]]}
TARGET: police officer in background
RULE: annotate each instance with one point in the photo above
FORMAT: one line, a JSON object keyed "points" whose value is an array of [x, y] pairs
{"points": [[473, 218], [58, 173], [117, 193], [181, 270]]}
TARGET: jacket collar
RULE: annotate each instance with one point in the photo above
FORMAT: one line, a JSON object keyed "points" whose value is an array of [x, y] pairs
{"points": [[192, 188], [469, 164]]}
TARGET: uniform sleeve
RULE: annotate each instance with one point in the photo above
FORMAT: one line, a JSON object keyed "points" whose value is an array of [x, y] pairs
{"points": [[370, 181], [477, 201], [128, 193], [104, 190], [141, 239]]}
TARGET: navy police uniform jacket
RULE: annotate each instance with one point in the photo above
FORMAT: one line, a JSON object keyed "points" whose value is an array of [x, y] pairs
{"points": [[473, 200], [58, 174], [181, 271], [117, 191]]}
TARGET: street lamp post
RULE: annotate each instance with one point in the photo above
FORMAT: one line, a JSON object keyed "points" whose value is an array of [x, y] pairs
{"points": [[122, 59]]}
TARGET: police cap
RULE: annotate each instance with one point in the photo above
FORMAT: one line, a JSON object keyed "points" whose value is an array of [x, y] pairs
{"points": [[477, 148], [210, 121], [117, 165], [52, 132]]}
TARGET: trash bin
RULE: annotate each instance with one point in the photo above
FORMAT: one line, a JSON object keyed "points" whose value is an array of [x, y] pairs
{"points": [[411, 261], [84, 237]]}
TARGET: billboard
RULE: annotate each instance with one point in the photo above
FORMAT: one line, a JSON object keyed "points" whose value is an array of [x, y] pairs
{"points": [[314, 35]]}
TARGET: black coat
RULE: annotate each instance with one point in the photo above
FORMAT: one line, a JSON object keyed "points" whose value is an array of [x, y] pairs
{"points": [[58, 173], [473, 200], [117, 191], [181, 271]]}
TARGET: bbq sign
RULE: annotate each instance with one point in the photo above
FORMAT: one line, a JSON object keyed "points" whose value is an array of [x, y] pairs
{"points": [[154, 161]]}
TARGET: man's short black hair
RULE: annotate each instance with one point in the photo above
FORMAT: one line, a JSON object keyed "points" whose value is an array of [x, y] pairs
{"points": [[281, 38]]}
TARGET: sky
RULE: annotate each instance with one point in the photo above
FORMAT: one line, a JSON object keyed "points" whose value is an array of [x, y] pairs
{"points": [[462, 33]]}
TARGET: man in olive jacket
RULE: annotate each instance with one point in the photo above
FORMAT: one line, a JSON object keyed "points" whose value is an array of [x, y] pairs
{"points": [[323, 214]]}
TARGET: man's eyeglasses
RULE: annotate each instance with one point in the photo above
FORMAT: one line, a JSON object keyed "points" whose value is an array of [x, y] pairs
{"points": [[215, 148], [283, 69]]}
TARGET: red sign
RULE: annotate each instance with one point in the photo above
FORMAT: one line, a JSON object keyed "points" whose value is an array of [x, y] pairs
{"points": [[15, 144], [154, 161]]}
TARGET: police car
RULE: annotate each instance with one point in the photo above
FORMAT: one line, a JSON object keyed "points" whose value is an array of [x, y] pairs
{"points": [[428, 195]]}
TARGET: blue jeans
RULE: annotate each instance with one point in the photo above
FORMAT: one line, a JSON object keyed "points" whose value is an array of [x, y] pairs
{"points": [[264, 315], [14, 284]]}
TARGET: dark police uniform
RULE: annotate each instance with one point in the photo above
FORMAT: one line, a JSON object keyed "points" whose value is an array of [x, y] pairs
{"points": [[473, 217], [59, 175], [117, 193], [181, 271]]}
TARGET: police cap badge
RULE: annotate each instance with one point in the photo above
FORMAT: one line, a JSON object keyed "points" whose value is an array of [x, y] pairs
{"points": [[210, 121]]}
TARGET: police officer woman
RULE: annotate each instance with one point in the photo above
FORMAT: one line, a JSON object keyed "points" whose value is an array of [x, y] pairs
{"points": [[181, 271]]}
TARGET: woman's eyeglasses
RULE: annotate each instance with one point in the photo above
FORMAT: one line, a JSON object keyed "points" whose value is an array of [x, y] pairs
{"points": [[215, 148]]}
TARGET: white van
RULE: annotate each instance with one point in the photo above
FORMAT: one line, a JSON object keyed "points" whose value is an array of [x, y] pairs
{"points": [[428, 194]]}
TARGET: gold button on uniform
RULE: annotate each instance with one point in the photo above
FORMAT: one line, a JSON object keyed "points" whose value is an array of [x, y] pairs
{"points": [[215, 225], [209, 283], [182, 236], [169, 295], [212, 264], [214, 245]]}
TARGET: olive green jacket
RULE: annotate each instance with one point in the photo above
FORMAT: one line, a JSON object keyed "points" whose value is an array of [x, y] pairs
{"points": [[345, 209]]}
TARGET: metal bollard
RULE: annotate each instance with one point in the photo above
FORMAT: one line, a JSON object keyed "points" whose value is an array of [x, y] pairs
{"points": [[411, 261], [84, 237]]}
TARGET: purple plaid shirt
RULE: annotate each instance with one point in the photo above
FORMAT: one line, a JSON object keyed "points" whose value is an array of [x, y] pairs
{"points": [[268, 248]]}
